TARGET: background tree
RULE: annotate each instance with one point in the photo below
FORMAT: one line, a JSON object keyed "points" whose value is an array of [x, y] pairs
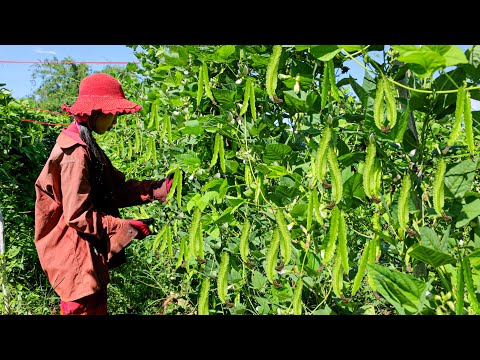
{"points": [[24, 148], [57, 82]]}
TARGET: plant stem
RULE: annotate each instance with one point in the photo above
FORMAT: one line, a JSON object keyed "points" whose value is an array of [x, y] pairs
{"points": [[445, 283], [430, 91]]}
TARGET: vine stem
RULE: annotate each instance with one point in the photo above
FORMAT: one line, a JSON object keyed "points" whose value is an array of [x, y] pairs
{"points": [[440, 271], [413, 89], [352, 58], [450, 78], [359, 233], [430, 91]]}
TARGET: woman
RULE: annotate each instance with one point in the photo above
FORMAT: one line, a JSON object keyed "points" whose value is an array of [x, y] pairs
{"points": [[79, 234]]}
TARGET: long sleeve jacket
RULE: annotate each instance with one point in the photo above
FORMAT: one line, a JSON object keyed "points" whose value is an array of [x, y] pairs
{"points": [[77, 242]]}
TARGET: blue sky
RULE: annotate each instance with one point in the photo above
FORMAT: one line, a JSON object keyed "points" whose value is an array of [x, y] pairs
{"points": [[17, 76]]}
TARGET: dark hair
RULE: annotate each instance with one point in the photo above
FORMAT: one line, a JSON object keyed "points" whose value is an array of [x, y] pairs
{"points": [[100, 177]]}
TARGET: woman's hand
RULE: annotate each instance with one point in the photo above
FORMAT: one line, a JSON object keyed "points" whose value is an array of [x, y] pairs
{"points": [[161, 191], [143, 230]]}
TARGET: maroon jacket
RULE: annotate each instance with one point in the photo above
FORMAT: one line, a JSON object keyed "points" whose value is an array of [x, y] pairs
{"points": [[76, 241]]}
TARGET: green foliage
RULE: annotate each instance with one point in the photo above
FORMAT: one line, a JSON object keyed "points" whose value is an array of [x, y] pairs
{"points": [[271, 131], [59, 79], [24, 148], [62, 78]]}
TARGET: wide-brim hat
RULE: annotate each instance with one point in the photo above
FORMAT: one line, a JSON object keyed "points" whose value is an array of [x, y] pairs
{"points": [[101, 92]]}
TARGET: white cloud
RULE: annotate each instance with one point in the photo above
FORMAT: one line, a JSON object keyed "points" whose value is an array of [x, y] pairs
{"points": [[42, 51]]}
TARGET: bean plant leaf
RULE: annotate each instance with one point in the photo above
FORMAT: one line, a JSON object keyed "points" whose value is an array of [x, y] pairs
{"points": [[475, 56], [286, 187], [311, 262], [192, 127], [459, 177], [453, 54], [283, 293], [476, 122], [351, 48], [468, 213], [285, 192], [276, 171], [369, 84], [353, 188], [410, 141], [475, 253], [214, 232], [473, 68], [238, 309], [361, 92], [429, 238], [176, 56], [427, 59], [276, 152], [234, 202], [388, 239], [214, 184], [231, 166], [188, 161], [296, 101], [445, 237], [324, 52], [225, 97], [418, 101], [174, 79], [299, 210], [350, 158], [205, 199], [193, 201], [403, 291], [264, 306], [400, 127], [312, 102], [225, 217], [235, 276], [223, 53], [430, 256], [262, 168]]}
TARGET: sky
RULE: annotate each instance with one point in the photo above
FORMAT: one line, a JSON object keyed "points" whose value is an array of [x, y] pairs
{"points": [[17, 76]]}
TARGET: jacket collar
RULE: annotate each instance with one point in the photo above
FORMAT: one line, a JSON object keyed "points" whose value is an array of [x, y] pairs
{"points": [[70, 136]]}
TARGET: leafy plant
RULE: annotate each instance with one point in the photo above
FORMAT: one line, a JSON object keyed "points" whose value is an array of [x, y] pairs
{"points": [[323, 200]]}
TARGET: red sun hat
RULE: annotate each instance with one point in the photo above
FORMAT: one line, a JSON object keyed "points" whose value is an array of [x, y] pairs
{"points": [[101, 92]]}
